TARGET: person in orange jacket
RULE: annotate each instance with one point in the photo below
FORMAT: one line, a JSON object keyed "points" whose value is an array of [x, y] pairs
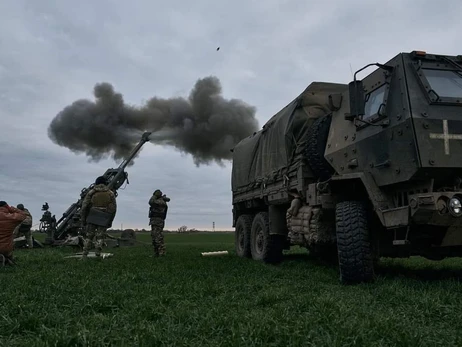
{"points": [[10, 218]]}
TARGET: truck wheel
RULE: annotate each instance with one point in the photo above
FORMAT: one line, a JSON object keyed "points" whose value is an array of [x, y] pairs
{"points": [[264, 246], [316, 145], [242, 236], [353, 245]]}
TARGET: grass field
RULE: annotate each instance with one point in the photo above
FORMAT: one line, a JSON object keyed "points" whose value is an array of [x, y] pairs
{"points": [[184, 299]]}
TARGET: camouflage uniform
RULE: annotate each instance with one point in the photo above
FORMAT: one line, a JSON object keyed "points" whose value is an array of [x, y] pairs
{"points": [[157, 214], [103, 199], [94, 234], [25, 227]]}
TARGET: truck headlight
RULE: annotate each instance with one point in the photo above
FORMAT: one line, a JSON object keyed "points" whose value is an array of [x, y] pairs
{"points": [[455, 207]]}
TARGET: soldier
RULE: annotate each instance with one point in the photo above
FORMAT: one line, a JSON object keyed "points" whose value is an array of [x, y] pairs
{"points": [[157, 214], [10, 218], [25, 226], [98, 211]]}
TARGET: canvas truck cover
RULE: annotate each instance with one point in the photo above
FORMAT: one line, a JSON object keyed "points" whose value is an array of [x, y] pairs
{"points": [[270, 152]]}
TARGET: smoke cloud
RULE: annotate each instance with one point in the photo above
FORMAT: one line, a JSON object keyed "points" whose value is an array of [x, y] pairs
{"points": [[205, 125]]}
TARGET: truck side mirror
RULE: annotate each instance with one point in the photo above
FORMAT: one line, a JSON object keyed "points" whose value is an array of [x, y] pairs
{"points": [[357, 101]]}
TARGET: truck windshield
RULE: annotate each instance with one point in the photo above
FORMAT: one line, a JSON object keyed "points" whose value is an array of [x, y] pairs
{"points": [[445, 83]]}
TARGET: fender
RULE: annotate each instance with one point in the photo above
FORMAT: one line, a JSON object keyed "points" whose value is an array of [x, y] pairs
{"points": [[389, 215]]}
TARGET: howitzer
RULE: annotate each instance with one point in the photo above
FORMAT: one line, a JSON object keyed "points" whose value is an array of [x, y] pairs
{"points": [[70, 223]]}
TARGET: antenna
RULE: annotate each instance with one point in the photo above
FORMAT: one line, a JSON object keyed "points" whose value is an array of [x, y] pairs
{"points": [[351, 69]]}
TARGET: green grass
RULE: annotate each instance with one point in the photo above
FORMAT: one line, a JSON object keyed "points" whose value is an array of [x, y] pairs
{"points": [[185, 299]]}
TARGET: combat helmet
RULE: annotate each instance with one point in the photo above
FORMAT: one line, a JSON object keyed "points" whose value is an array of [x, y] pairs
{"points": [[100, 180]]}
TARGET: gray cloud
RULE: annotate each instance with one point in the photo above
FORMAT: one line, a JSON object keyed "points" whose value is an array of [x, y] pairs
{"points": [[53, 53]]}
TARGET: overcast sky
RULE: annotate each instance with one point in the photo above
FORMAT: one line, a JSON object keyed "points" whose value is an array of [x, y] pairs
{"points": [[54, 52]]}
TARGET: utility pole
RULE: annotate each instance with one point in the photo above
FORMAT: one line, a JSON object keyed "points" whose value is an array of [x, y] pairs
{"points": [[213, 227]]}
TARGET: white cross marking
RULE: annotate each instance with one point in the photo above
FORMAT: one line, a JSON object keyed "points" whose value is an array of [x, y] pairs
{"points": [[446, 136]]}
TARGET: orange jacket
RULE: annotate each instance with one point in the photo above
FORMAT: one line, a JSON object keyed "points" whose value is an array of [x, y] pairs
{"points": [[10, 217]]}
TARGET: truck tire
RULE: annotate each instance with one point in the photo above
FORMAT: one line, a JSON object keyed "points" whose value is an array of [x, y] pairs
{"points": [[315, 147], [264, 246], [353, 244], [242, 236]]}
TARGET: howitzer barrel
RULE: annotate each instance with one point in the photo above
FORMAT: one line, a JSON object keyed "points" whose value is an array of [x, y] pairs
{"points": [[64, 220], [124, 164], [68, 212]]}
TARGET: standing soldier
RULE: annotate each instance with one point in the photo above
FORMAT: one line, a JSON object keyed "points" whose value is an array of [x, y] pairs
{"points": [[98, 211], [157, 214], [25, 226]]}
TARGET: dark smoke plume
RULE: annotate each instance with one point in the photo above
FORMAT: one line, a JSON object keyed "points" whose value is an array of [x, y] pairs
{"points": [[205, 125]]}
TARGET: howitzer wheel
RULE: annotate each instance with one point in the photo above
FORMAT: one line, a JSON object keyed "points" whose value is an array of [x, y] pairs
{"points": [[355, 254], [264, 246], [316, 146], [242, 236]]}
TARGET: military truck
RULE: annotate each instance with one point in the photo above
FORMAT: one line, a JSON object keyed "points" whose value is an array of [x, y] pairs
{"points": [[357, 171]]}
